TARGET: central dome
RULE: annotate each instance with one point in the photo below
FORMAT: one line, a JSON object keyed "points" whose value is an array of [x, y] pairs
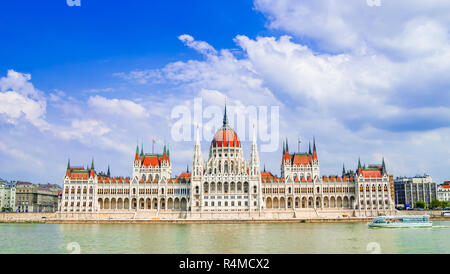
{"points": [[226, 137]]}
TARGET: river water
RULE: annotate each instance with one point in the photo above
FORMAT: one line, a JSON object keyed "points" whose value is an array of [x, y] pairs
{"points": [[222, 238]]}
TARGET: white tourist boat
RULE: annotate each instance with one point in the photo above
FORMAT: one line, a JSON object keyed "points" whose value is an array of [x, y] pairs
{"points": [[401, 221]]}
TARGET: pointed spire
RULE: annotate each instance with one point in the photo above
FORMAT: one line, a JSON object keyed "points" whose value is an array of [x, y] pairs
{"points": [[287, 147], [314, 149], [197, 137], [254, 135], [225, 118], [309, 151], [136, 157], [109, 172], [343, 169], [68, 164], [187, 168], [383, 167], [92, 164], [359, 162], [284, 148], [264, 167], [142, 148], [168, 150]]}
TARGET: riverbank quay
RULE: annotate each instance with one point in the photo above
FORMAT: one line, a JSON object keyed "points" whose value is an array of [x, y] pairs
{"points": [[134, 217]]}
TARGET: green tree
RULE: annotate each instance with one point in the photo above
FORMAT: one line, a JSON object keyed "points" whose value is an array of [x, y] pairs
{"points": [[435, 203], [445, 203], [420, 204]]}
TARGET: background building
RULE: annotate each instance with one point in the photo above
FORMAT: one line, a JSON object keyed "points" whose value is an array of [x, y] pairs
{"points": [[409, 190], [391, 186], [36, 198], [7, 195], [443, 191]]}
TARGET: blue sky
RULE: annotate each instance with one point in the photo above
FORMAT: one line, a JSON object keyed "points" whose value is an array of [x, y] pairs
{"points": [[89, 81]]}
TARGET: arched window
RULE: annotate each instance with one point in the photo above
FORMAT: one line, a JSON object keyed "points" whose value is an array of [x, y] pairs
{"points": [[254, 189], [246, 187], [196, 190]]}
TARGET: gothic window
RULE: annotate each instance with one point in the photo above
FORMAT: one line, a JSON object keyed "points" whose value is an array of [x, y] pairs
{"points": [[246, 187], [232, 187]]}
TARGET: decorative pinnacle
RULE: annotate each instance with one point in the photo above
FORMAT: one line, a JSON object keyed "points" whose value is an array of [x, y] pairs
{"points": [[225, 118]]}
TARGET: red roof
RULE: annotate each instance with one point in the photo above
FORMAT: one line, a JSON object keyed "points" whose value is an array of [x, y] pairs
{"points": [[150, 160], [371, 173], [185, 175], [226, 137], [301, 159]]}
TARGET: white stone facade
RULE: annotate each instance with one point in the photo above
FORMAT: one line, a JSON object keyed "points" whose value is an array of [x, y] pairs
{"points": [[226, 183]]}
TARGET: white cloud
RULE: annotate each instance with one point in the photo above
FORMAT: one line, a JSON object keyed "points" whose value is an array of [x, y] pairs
{"points": [[120, 107], [81, 129], [200, 46], [356, 103], [19, 98], [352, 24]]}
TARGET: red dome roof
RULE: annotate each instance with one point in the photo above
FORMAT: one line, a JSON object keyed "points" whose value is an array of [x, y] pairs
{"points": [[226, 137]]}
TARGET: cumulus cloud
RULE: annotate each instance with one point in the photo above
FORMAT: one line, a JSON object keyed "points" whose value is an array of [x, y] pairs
{"points": [[369, 81], [353, 24], [120, 107], [200, 46], [356, 102], [19, 99], [81, 129]]}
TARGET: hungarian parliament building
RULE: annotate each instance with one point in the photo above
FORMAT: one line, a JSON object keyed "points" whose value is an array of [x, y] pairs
{"points": [[228, 185]]}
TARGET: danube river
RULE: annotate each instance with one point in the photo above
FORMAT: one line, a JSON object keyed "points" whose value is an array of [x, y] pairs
{"points": [[222, 238]]}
